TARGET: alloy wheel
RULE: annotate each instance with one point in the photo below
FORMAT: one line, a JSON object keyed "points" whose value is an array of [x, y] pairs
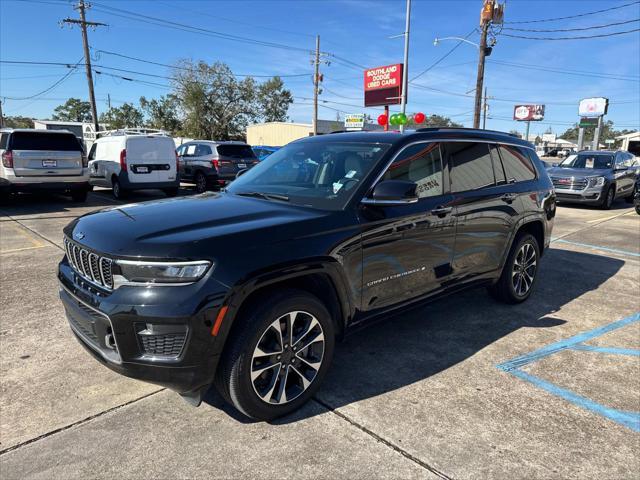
{"points": [[201, 183], [524, 269], [287, 357]]}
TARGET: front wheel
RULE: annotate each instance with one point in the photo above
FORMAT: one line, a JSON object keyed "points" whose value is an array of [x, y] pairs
{"points": [[607, 202], [278, 353], [519, 272], [118, 192]]}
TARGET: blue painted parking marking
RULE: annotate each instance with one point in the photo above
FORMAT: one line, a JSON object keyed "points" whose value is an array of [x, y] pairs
{"points": [[597, 247], [628, 419]]}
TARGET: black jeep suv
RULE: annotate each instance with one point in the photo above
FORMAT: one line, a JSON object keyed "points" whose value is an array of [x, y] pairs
{"points": [[248, 288]]}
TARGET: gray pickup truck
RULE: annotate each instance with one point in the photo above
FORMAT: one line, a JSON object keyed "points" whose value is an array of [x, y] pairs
{"points": [[595, 177]]}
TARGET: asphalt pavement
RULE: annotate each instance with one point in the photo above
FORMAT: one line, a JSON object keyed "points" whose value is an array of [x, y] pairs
{"points": [[463, 388]]}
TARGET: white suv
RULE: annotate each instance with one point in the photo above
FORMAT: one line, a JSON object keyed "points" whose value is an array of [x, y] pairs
{"points": [[49, 160], [127, 160]]}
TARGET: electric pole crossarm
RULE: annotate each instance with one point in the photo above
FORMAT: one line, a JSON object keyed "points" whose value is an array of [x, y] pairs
{"points": [[80, 22]]}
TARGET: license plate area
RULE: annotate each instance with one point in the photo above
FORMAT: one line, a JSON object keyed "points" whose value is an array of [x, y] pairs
{"points": [[150, 168], [242, 165], [49, 163]]}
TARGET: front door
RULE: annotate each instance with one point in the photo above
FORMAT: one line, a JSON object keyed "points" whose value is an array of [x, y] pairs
{"points": [[408, 249]]}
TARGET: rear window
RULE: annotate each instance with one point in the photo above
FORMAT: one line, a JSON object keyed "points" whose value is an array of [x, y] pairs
{"points": [[517, 165], [235, 151], [44, 141], [471, 166]]}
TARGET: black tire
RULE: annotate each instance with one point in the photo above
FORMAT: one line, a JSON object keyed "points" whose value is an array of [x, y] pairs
{"points": [[638, 209], [170, 192], [118, 191], [505, 290], [632, 197], [608, 199], [202, 184], [233, 377], [79, 195]]}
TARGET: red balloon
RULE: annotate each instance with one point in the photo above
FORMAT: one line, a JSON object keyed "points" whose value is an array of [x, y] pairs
{"points": [[419, 117], [383, 120]]}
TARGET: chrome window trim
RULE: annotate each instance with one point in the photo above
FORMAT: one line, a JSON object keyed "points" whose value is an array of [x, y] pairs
{"points": [[435, 140]]}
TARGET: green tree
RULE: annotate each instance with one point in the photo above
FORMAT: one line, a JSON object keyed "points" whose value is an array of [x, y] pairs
{"points": [[435, 121], [125, 116], [516, 133], [162, 113], [18, 122], [73, 110], [274, 100]]}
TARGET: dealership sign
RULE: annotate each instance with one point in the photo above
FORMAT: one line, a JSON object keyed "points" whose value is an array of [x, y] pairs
{"points": [[593, 107], [354, 121], [383, 85], [527, 113]]}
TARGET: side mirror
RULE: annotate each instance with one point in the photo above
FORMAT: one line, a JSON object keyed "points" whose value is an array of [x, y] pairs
{"points": [[392, 193]]}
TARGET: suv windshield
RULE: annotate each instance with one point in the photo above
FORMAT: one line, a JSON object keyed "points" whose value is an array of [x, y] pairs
{"points": [[235, 151], [44, 141], [588, 160], [322, 175]]}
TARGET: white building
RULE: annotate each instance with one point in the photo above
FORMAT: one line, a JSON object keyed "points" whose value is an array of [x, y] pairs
{"points": [[631, 142], [83, 130]]}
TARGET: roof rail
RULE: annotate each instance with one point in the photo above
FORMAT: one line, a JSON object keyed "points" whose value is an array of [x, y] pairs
{"points": [[133, 131], [435, 129]]}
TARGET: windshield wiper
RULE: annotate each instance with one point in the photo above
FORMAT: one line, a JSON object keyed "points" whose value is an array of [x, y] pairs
{"points": [[266, 196]]}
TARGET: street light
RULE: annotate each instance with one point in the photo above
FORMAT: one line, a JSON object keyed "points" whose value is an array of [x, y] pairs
{"points": [[436, 41]]}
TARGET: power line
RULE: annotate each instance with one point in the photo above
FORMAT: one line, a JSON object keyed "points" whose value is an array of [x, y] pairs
{"points": [[443, 57], [51, 87], [571, 29], [575, 16], [608, 76], [572, 38], [177, 67]]}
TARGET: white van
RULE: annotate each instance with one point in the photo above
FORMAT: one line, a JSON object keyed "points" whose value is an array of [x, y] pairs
{"points": [[126, 160]]}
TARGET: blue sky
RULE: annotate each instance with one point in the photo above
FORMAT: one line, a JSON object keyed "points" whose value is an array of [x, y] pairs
{"points": [[354, 30]]}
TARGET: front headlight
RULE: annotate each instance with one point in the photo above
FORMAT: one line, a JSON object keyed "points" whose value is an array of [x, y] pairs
{"points": [[131, 272], [596, 181]]}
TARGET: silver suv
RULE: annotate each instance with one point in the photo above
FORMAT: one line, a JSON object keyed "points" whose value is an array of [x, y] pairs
{"points": [[210, 164], [50, 160]]}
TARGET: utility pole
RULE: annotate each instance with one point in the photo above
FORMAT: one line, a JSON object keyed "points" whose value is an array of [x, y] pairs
{"points": [[109, 101], [316, 83], [480, 78], [484, 110], [81, 7], [1, 115], [405, 67]]}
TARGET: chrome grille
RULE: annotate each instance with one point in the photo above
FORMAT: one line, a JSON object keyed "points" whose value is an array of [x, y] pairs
{"points": [[90, 266], [569, 183]]}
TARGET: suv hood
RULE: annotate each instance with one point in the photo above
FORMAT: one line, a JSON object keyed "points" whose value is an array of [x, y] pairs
{"points": [[180, 227], [577, 172]]}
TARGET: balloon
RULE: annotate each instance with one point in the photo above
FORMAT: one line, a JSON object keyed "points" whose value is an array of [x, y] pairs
{"points": [[383, 120], [401, 119], [419, 117], [394, 119]]}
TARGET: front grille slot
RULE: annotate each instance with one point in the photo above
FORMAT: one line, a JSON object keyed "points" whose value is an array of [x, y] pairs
{"points": [[90, 266], [572, 184], [165, 341]]}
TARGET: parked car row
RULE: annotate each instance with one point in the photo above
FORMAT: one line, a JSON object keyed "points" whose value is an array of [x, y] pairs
{"points": [[123, 160]]}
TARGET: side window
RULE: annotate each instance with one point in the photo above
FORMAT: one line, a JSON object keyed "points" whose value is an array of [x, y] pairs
{"points": [[421, 164], [471, 166], [191, 150], [180, 150], [4, 137], [92, 152], [203, 150], [498, 170], [517, 165]]}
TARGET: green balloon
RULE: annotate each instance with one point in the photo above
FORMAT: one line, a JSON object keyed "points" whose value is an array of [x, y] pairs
{"points": [[394, 119], [402, 119]]}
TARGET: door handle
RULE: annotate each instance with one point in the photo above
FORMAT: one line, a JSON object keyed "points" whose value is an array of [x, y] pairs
{"points": [[441, 211], [508, 197]]}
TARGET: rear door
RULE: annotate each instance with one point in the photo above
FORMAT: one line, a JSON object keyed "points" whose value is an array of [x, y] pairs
{"points": [[486, 209], [235, 157], [151, 159], [45, 154]]}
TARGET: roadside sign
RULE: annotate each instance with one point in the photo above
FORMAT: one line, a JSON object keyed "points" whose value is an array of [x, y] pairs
{"points": [[383, 85], [593, 107], [588, 121], [548, 137], [528, 113], [354, 121]]}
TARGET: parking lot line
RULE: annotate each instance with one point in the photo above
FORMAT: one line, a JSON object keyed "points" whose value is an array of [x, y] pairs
{"points": [[22, 249], [597, 247], [628, 419]]}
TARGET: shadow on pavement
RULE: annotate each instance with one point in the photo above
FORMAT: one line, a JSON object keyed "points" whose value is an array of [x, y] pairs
{"points": [[418, 344]]}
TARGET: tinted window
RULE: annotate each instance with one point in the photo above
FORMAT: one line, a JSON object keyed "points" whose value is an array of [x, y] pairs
{"points": [[44, 141], [180, 150], [203, 150], [235, 151], [3, 140], [471, 166], [421, 164], [498, 169], [516, 163]]}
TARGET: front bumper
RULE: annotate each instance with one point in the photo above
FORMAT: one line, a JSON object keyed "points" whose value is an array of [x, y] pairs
{"points": [[590, 196], [166, 344]]}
